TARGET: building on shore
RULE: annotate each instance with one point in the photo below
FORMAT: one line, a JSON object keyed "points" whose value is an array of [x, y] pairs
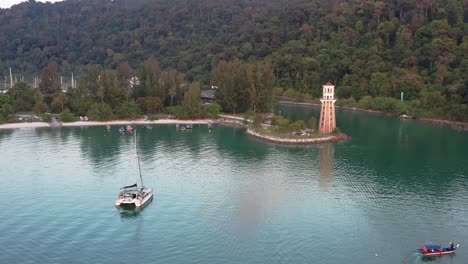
{"points": [[327, 112]]}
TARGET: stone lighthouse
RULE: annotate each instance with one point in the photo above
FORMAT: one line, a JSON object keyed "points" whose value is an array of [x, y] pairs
{"points": [[327, 113]]}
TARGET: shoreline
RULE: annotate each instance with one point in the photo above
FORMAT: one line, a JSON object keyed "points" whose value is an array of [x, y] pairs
{"points": [[104, 123], [298, 141], [225, 120], [433, 121]]}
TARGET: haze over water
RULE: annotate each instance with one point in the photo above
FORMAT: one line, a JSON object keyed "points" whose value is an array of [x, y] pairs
{"points": [[223, 197]]}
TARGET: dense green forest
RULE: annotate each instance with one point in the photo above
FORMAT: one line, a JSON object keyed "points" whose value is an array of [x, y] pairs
{"points": [[372, 50]]}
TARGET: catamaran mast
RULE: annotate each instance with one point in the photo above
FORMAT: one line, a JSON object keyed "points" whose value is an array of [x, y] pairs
{"points": [[138, 159]]}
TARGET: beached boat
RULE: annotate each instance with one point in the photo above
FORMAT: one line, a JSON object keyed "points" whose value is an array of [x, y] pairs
{"points": [[437, 250], [133, 195]]}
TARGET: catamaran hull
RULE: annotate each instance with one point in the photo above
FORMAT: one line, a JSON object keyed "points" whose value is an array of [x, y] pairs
{"points": [[134, 202]]}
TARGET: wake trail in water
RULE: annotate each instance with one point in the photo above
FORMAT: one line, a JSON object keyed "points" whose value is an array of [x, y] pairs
{"points": [[412, 258]]}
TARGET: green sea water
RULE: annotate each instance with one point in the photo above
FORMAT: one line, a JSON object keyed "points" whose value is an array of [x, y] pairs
{"points": [[222, 197]]}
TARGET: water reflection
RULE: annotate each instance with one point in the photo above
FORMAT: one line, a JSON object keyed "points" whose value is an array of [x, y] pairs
{"points": [[234, 142], [59, 135], [98, 144], [5, 134], [327, 161]]}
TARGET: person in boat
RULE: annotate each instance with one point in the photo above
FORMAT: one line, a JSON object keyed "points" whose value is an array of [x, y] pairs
{"points": [[452, 246]]}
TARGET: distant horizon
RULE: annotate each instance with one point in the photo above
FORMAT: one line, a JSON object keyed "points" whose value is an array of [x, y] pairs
{"points": [[10, 3]]}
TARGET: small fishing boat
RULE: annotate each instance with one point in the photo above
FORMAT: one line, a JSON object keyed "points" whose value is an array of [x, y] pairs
{"points": [[182, 128], [133, 195], [129, 128], [437, 250], [189, 126], [122, 130]]}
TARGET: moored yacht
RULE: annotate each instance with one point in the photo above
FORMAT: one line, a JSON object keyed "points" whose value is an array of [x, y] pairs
{"points": [[133, 195]]}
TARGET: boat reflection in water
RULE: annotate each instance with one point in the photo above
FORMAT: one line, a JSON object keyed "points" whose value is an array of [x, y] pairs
{"points": [[327, 162]]}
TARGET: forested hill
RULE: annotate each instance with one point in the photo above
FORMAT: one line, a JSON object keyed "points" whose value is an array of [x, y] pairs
{"points": [[367, 47]]}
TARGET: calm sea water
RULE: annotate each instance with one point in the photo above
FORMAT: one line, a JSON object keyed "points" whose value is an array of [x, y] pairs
{"points": [[222, 197]]}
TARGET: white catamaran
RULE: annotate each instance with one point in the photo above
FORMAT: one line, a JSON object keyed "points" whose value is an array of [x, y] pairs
{"points": [[133, 195]]}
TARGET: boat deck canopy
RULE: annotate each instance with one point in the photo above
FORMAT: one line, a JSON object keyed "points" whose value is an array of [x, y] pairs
{"points": [[129, 186], [435, 247]]}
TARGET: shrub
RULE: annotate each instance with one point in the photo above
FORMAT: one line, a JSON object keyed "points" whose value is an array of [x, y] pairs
{"points": [[278, 91], [46, 117], [349, 102], [40, 107], [290, 92], [101, 112], [336, 130], [213, 110], [152, 118], [364, 102], [173, 110], [177, 111], [298, 125], [280, 121], [257, 119], [313, 123], [248, 115], [67, 116], [5, 110], [149, 105], [80, 105], [128, 110]]}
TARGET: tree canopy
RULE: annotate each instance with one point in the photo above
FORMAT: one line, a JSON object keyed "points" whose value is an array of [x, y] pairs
{"points": [[377, 48]]}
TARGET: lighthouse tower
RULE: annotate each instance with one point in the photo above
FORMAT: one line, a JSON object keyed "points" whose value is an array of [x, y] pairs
{"points": [[327, 114]]}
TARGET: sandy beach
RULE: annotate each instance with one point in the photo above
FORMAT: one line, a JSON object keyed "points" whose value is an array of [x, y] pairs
{"points": [[104, 123]]}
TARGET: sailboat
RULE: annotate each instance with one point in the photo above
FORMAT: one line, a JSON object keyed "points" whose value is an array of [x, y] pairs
{"points": [[133, 195]]}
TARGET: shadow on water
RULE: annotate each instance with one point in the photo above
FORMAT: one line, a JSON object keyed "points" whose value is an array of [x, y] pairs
{"points": [[447, 259], [129, 212], [165, 137], [235, 143], [5, 134]]}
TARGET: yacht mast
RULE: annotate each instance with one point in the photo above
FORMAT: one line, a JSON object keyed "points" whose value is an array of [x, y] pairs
{"points": [[138, 159]]}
